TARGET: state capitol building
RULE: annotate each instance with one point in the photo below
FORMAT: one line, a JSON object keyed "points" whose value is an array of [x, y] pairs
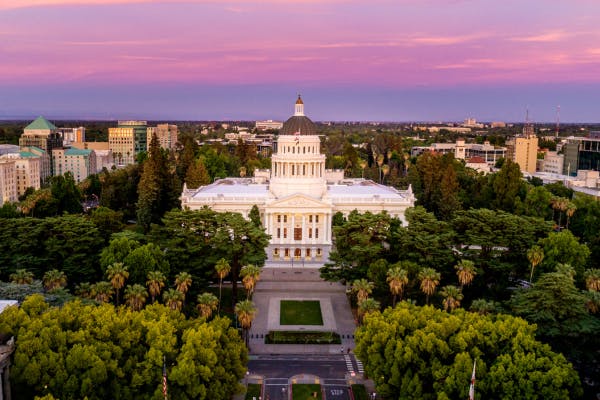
{"points": [[298, 197]]}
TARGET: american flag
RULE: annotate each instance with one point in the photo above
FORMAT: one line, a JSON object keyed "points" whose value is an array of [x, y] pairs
{"points": [[472, 387], [164, 378]]}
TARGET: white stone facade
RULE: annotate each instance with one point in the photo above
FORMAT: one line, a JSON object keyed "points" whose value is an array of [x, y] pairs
{"points": [[297, 199]]}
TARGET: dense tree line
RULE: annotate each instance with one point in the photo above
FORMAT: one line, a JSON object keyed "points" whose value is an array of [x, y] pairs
{"points": [[425, 353], [97, 352]]}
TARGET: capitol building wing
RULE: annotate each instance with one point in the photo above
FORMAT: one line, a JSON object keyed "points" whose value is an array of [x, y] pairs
{"points": [[298, 197]]}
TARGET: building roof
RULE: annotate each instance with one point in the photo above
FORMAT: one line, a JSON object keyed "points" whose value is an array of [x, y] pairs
{"points": [[298, 124], [299, 101], [28, 154], [77, 152], [41, 123], [476, 160]]}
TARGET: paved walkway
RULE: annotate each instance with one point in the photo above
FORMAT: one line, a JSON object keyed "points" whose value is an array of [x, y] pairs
{"points": [[300, 284]]}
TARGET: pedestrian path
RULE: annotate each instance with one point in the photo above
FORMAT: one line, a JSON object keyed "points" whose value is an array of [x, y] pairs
{"points": [[359, 364], [349, 365]]}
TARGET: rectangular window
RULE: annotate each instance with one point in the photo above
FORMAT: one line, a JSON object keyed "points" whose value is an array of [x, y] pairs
{"points": [[279, 218], [307, 252], [317, 233], [297, 233], [310, 233], [310, 219], [285, 219], [278, 233], [317, 219], [284, 233], [286, 252]]}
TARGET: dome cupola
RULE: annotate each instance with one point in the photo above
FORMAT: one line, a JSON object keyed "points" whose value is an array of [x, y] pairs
{"points": [[299, 123]]}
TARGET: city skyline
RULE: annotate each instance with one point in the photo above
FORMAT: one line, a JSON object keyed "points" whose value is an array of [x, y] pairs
{"points": [[439, 60]]}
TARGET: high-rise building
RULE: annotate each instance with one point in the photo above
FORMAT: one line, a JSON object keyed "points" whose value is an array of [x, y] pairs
{"points": [[522, 149], [581, 154], [32, 151], [127, 140], [45, 136], [166, 135], [28, 166], [71, 135], [104, 158], [80, 163], [8, 181]]}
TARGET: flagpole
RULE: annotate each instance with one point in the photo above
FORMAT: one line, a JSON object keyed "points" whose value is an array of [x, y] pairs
{"points": [[472, 387], [164, 378]]}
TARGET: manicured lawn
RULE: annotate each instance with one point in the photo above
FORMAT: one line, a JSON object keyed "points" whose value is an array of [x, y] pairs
{"points": [[296, 312], [302, 337], [359, 392], [305, 392], [253, 391]]}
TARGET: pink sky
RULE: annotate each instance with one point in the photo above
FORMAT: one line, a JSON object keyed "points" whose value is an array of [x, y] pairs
{"points": [[301, 43]]}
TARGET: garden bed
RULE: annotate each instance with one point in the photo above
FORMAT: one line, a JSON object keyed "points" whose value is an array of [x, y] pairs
{"points": [[302, 337]]}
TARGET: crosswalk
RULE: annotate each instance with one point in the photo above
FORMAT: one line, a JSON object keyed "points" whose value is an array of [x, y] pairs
{"points": [[349, 364], [359, 364]]}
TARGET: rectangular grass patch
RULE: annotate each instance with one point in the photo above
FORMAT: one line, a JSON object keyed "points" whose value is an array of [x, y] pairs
{"points": [[300, 312], [306, 392], [360, 392]]}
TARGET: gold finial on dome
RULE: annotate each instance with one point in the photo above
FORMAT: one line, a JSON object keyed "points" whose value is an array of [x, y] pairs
{"points": [[299, 101]]}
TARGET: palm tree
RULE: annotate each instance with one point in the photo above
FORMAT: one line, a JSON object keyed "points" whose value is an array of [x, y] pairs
{"points": [[173, 299], [429, 278], [363, 165], [560, 204], [571, 208], [363, 288], [250, 275], [535, 255], [223, 269], [84, 290], [385, 169], [155, 282], [380, 159], [452, 297], [54, 279], [593, 302], [183, 281], [245, 311], [117, 274], [367, 306], [592, 279], [397, 279], [136, 296], [21, 277], [465, 270], [102, 291], [207, 303], [483, 307]]}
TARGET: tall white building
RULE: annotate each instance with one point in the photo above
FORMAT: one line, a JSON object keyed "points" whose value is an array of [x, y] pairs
{"points": [[298, 197], [27, 169], [8, 181]]}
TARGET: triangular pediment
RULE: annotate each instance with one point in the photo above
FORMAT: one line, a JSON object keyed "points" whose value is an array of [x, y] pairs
{"points": [[298, 201]]}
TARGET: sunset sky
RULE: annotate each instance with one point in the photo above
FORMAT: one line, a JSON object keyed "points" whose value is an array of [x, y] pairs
{"points": [[402, 60]]}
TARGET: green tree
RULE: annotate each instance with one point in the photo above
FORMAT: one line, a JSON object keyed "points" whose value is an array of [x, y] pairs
{"points": [[207, 303], [107, 221], [100, 352], [197, 175], [54, 279], [466, 272], [397, 279], [592, 279], [430, 279], [535, 255], [67, 195], [144, 259], [155, 282], [452, 297], [250, 275], [157, 188], [183, 282], [223, 269], [173, 299], [117, 250], [367, 306], [426, 353], [507, 185], [254, 216], [363, 288], [563, 247], [117, 274], [245, 311], [21, 277], [135, 296]]}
